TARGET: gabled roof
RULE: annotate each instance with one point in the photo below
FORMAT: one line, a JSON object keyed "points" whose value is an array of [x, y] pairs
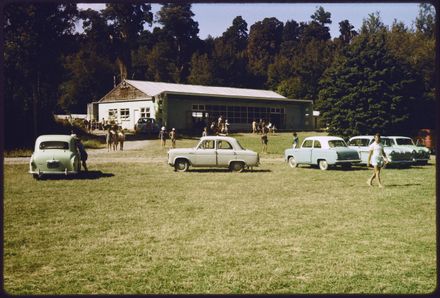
{"points": [[156, 88]]}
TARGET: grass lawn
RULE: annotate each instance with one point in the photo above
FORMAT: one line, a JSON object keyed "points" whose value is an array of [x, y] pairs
{"points": [[143, 228]]}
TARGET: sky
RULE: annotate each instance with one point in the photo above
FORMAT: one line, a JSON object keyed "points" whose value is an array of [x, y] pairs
{"points": [[215, 18]]}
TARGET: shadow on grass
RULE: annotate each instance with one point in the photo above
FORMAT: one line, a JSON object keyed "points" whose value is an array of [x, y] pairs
{"points": [[227, 171], [90, 175], [338, 168], [400, 185]]}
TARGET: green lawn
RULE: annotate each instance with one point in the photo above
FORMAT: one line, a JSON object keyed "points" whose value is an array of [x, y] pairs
{"points": [[143, 228]]}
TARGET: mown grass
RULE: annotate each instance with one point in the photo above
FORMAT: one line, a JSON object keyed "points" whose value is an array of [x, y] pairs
{"points": [[143, 228]]}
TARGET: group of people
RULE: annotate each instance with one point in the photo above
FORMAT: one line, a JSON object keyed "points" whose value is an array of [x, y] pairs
{"points": [[114, 137], [164, 134], [260, 126]]}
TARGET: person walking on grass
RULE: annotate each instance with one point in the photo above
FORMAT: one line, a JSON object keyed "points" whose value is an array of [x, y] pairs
{"points": [[264, 139], [163, 136], [295, 140], [173, 138], [377, 158]]}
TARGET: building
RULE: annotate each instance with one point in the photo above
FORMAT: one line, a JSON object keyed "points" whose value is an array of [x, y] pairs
{"points": [[186, 107]]}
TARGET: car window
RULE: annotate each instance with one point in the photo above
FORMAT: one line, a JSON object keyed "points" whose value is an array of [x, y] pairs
{"points": [[386, 142], [54, 145], [401, 141], [317, 144], [359, 142], [307, 144], [207, 144], [336, 143], [224, 145]]}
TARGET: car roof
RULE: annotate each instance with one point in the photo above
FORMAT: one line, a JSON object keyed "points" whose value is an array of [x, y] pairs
{"points": [[223, 138], [66, 138], [399, 137], [368, 137], [322, 138]]}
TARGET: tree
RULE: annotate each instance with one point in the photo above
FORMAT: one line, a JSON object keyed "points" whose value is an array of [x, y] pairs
{"points": [[321, 16], [346, 31], [201, 70], [126, 21], [367, 90], [373, 24], [179, 32], [35, 37], [425, 21], [263, 45]]}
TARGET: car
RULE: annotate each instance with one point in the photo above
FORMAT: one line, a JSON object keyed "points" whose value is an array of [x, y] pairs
{"points": [[399, 157], [324, 151], [214, 151], [421, 154], [55, 154], [146, 125]]}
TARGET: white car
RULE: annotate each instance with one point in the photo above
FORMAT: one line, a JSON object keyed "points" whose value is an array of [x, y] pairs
{"points": [[214, 151], [324, 151], [396, 156], [421, 154]]}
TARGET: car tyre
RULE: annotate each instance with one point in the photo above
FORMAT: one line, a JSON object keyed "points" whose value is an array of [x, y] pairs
{"points": [[237, 167], [292, 162], [181, 165], [36, 176], [323, 165]]}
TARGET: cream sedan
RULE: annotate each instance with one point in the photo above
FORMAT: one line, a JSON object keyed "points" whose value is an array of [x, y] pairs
{"points": [[214, 151]]}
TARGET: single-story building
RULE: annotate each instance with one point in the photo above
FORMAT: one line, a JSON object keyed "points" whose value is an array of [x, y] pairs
{"points": [[185, 107]]}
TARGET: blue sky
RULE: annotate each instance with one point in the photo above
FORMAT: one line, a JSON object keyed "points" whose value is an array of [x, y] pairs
{"points": [[214, 18]]}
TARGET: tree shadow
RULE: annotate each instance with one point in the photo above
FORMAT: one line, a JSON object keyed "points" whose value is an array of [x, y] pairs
{"points": [[89, 175]]}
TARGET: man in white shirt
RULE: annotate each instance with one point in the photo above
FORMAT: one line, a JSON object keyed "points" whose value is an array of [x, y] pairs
{"points": [[377, 158]]}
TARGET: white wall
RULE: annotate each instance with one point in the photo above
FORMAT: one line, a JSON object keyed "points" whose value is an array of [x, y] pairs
{"points": [[134, 110]]}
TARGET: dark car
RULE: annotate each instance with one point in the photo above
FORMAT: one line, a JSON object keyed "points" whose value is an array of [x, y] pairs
{"points": [[146, 125]]}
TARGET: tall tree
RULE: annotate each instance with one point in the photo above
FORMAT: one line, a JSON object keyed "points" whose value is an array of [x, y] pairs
{"points": [[425, 21], [179, 31], [263, 45], [127, 21], [367, 90], [373, 24], [35, 36], [346, 31]]}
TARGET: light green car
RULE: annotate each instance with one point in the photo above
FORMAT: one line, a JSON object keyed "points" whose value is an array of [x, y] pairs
{"points": [[55, 154], [421, 154]]}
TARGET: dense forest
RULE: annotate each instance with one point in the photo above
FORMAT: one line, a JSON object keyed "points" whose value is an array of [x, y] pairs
{"points": [[375, 78]]}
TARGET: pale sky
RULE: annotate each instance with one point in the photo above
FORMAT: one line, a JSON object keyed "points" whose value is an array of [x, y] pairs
{"points": [[215, 18]]}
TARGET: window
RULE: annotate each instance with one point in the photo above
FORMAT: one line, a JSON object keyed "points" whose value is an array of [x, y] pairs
{"points": [[224, 145], [145, 112], [360, 142], [125, 114], [317, 144], [404, 141], [336, 143], [54, 145], [207, 144], [113, 114], [307, 144]]}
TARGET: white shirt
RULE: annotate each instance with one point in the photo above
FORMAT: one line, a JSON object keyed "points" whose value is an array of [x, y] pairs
{"points": [[377, 150]]}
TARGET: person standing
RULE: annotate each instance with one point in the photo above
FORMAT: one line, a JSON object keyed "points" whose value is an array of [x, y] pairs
{"points": [[264, 139], [173, 138], [163, 136], [295, 140], [377, 158], [82, 153], [205, 132], [254, 126]]}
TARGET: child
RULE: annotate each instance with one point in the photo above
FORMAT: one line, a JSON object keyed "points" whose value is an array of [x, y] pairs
{"points": [[173, 138], [163, 136]]}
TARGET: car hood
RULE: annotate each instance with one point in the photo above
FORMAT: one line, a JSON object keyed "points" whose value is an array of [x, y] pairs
{"points": [[414, 148]]}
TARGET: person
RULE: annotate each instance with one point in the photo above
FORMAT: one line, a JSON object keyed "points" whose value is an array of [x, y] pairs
{"points": [[254, 126], [121, 138], [82, 152], [173, 138], [163, 136], [205, 132], [264, 139], [295, 140], [226, 127], [377, 158]]}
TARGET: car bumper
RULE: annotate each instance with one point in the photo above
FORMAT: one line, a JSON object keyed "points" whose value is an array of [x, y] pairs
{"points": [[53, 172]]}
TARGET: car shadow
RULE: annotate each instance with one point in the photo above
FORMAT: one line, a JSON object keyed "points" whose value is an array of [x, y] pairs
{"points": [[227, 171], [340, 169], [89, 175], [400, 185]]}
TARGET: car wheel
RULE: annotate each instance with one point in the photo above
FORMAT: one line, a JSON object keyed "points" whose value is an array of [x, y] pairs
{"points": [[181, 165], [323, 165], [237, 166], [36, 176], [292, 162]]}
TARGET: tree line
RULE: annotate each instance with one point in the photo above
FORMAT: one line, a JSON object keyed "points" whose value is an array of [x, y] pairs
{"points": [[377, 78]]}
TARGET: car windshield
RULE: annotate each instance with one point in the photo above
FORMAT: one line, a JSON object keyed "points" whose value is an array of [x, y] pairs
{"points": [[54, 145], [336, 143], [404, 141]]}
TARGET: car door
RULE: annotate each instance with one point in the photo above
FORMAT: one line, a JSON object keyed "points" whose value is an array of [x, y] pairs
{"points": [[317, 152], [225, 153], [304, 154], [205, 154]]}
